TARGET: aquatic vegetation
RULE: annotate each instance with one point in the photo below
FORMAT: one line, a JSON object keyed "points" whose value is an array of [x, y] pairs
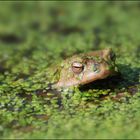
{"points": [[36, 35]]}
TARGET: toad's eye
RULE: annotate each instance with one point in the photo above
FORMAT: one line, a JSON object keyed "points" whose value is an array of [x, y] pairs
{"points": [[77, 67]]}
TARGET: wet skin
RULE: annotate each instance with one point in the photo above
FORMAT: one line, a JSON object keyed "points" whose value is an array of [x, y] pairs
{"points": [[85, 68]]}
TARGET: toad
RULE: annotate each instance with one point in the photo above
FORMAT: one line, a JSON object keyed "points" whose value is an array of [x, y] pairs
{"points": [[85, 68]]}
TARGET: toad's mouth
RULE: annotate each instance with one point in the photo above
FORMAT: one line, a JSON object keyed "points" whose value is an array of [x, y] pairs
{"points": [[93, 77]]}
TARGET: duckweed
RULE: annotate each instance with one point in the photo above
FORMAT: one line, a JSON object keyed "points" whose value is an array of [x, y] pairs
{"points": [[36, 35]]}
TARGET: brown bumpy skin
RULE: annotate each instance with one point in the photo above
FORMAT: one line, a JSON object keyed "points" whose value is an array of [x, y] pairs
{"points": [[85, 68]]}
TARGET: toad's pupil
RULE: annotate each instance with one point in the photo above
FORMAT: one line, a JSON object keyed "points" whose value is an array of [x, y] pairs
{"points": [[77, 69]]}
